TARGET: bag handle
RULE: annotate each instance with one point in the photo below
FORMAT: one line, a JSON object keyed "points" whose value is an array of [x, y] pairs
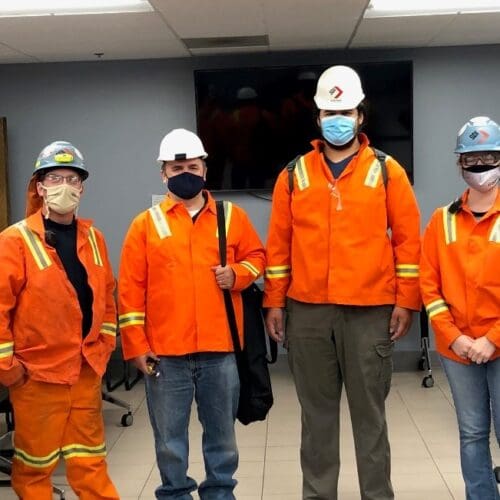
{"points": [[228, 301]]}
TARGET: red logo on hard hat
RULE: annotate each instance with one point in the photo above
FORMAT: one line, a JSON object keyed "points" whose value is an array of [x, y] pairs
{"points": [[336, 92], [484, 136]]}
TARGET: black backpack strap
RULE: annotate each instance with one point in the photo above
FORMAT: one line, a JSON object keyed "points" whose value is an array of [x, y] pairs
{"points": [[291, 168], [228, 301], [381, 157]]}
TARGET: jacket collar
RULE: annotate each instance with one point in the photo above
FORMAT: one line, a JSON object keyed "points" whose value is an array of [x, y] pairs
{"points": [[170, 204], [35, 223]]}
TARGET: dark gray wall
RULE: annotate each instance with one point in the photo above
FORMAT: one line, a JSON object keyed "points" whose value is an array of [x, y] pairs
{"points": [[117, 113]]}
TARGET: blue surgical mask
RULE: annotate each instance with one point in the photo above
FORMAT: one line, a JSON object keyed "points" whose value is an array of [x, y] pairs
{"points": [[186, 185], [338, 129]]}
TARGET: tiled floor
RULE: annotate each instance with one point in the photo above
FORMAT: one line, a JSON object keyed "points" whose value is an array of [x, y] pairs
{"points": [[422, 428]]}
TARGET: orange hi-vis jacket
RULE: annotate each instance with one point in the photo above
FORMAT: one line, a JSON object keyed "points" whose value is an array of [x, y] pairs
{"points": [[40, 316], [460, 276], [329, 242], [169, 301]]}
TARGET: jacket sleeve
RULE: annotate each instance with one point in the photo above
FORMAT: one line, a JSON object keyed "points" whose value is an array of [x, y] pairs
{"points": [[431, 286], [108, 328], [279, 240], [132, 285], [12, 281], [249, 256], [404, 221]]}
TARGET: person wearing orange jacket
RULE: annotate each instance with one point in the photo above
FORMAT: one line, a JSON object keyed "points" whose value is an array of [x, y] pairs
{"points": [[342, 259], [173, 320], [460, 284], [57, 331]]}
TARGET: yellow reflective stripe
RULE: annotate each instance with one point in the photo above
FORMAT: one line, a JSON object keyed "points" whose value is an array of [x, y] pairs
{"points": [[228, 212], [35, 246], [6, 349], [450, 226], [407, 270], [250, 267], [436, 307], [132, 318], [373, 174], [95, 247], [37, 462], [160, 222], [109, 329], [273, 272], [301, 174], [495, 232], [80, 450]]}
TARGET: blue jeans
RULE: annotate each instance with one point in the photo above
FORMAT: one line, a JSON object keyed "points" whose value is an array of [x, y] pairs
{"points": [[212, 379], [476, 394]]}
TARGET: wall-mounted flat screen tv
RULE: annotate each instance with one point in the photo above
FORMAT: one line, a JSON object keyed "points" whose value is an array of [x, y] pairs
{"points": [[253, 121]]}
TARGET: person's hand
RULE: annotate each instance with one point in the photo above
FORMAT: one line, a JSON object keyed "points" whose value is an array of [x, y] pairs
{"points": [[224, 276], [140, 362], [274, 323], [461, 346], [400, 322], [481, 350]]}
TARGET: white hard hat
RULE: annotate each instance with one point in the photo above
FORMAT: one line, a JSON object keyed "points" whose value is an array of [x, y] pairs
{"points": [[181, 144], [339, 87], [246, 93]]}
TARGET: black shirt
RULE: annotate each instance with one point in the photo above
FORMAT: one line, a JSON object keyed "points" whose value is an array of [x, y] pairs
{"points": [[337, 167], [63, 238]]}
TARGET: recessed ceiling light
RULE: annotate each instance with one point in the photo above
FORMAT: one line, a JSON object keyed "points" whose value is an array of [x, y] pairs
{"points": [[27, 8], [399, 8]]}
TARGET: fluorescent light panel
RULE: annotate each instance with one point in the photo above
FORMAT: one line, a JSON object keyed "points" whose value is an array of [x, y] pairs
{"points": [[401, 8], [27, 8]]}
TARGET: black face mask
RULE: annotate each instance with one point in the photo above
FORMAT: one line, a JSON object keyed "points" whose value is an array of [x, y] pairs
{"points": [[186, 185]]}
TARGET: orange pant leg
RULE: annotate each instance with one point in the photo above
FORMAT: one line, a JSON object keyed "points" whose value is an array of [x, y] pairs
{"points": [[41, 411], [83, 443]]}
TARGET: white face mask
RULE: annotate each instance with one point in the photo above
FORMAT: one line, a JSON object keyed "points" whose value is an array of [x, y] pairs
{"points": [[62, 199], [482, 181]]}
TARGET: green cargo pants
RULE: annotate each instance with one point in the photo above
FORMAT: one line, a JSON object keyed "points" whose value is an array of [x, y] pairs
{"points": [[330, 346]]}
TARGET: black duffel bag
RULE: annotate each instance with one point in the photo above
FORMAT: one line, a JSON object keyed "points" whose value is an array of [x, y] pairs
{"points": [[256, 395]]}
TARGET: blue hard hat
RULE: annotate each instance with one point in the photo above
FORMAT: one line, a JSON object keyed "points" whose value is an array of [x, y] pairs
{"points": [[478, 134], [61, 154]]}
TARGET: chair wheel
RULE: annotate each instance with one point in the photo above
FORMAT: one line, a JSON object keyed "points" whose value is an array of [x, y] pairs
{"points": [[127, 420], [497, 473], [428, 381]]}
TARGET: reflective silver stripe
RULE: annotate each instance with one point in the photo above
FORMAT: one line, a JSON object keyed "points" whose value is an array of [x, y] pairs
{"points": [[301, 174], [95, 247], [407, 270], [160, 222], [250, 267], [34, 245], [373, 174], [80, 450], [37, 462], [436, 307], [6, 349], [228, 212], [273, 272], [131, 319], [109, 329], [495, 232], [450, 226]]}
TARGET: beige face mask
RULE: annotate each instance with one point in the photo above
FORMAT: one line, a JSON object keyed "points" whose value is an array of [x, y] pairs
{"points": [[62, 199]]}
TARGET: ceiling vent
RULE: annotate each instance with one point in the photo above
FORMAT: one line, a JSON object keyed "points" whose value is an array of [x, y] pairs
{"points": [[226, 42]]}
